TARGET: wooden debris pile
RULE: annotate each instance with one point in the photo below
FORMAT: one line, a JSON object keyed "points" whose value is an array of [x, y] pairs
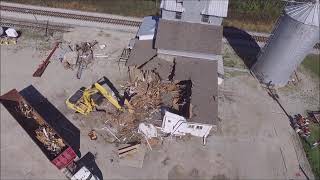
{"points": [[146, 100], [148, 97], [50, 139], [124, 126], [25, 110]]}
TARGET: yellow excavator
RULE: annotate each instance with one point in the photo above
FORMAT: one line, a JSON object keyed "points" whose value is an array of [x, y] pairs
{"points": [[85, 100]]}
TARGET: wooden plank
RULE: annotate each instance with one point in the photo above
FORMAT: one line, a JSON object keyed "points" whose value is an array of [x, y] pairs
{"points": [[127, 148]]}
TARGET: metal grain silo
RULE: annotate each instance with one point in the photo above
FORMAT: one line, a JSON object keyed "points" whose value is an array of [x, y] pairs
{"points": [[292, 39], [1, 30]]}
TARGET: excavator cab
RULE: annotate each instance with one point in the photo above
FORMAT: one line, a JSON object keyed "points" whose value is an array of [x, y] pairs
{"points": [[86, 100]]}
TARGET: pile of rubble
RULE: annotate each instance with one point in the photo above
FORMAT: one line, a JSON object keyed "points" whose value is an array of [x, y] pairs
{"points": [[78, 56], [146, 98], [50, 139]]}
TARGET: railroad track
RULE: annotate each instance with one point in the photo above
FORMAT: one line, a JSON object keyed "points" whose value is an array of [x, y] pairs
{"points": [[71, 16], [85, 18], [265, 39], [33, 25]]}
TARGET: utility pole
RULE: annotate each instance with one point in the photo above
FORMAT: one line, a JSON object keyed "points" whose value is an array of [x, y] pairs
{"points": [[47, 27]]}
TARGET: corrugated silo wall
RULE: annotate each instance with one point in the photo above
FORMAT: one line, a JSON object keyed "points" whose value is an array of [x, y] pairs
{"points": [[290, 43], [1, 30]]}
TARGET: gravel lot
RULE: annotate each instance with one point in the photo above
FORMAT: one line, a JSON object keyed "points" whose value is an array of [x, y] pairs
{"points": [[254, 139]]}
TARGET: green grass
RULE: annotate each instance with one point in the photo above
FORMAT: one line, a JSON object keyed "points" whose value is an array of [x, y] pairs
{"points": [[312, 63], [254, 15], [313, 154], [138, 8]]}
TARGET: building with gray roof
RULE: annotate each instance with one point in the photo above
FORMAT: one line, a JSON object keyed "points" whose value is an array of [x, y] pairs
{"points": [[195, 11]]}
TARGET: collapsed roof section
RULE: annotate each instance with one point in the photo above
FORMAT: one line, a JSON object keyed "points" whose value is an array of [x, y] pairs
{"points": [[204, 100], [143, 53], [184, 51], [189, 37], [203, 74]]}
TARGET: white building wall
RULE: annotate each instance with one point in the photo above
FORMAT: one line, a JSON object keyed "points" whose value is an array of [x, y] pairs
{"points": [[170, 15], [189, 54], [178, 125], [193, 10], [215, 20]]}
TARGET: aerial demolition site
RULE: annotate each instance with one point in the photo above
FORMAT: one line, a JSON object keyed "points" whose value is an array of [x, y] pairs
{"points": [[160, 101]]}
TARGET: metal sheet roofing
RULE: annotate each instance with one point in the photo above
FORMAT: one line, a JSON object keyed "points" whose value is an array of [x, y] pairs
{"points": [[171, 5], [216, 8], [189, 37], [147, 26], [307, 13]]}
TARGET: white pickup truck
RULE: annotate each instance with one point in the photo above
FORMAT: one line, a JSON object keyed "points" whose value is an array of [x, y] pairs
{"points": [[84, 174]]}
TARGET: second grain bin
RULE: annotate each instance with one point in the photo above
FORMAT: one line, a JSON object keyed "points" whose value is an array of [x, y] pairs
{"points": [[290, 42]]}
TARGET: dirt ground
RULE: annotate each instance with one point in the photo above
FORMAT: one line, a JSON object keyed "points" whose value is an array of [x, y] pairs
{"points": [[254, 139]]}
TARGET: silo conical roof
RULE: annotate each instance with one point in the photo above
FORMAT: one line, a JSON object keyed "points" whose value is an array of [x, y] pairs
{"points": [[307, 13]]}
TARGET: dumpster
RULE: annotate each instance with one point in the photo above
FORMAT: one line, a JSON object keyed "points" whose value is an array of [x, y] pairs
{"points": [[48, 140]]}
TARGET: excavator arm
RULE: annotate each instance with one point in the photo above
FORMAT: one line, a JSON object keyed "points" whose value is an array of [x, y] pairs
{"points": [[107, 95]]}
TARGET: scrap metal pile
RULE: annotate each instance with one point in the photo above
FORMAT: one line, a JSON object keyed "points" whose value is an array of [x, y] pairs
{"points": [[80, 56], [77, 56], [301, 125], [53, 143]]}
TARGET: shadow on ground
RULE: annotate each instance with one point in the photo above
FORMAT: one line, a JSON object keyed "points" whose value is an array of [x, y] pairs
{"points": [[69, 132], [243, 44], [88, 161]]}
